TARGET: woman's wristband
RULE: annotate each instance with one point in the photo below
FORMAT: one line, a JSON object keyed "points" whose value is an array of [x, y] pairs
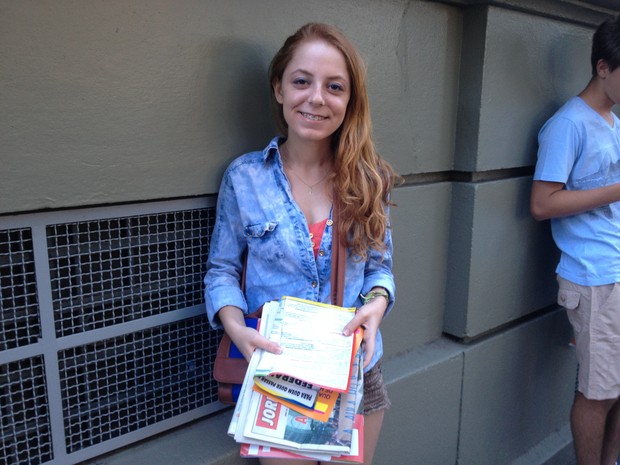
{"points": [[372, 295]]}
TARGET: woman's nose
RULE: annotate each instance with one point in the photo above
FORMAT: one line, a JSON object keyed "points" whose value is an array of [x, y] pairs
{"points": [[316, 96]]}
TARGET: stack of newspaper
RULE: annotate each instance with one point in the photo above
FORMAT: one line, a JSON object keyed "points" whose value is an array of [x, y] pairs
{"points": [[306, 401]]}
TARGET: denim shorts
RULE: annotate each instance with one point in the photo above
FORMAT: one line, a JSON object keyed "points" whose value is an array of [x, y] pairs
{"points": [[594, 313], [375, 393]]}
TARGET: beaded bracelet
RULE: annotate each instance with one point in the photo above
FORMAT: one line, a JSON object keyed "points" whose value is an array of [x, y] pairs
{"points": [[374, 294]]}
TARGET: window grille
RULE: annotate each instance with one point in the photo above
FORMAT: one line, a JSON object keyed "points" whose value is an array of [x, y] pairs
{"points": [[110, 271], [116, 386], [26, 433], [104, 336], [19, 308]]}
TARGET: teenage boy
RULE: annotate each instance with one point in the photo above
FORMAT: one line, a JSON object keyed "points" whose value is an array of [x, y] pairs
{"points": [[577, 186]]}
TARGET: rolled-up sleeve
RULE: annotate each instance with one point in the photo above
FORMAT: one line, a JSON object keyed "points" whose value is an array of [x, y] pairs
{"points": [[378, 271], [224, 265]]}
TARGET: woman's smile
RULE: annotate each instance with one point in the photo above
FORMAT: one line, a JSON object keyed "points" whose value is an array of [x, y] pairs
{"points": [[312, 116]]}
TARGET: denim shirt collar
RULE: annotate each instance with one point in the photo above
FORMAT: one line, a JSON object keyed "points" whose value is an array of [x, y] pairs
{"points": [[273, 148]]}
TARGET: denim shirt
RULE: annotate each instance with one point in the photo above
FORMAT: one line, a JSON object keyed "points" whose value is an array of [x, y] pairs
{"points": [[256, 213]]}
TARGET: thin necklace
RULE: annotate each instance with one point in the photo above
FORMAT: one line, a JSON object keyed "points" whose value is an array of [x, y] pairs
{"points": [[309, 186]]}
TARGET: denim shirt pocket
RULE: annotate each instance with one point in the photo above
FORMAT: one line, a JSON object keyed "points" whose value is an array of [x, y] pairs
{"points": [[265, 246], [259, 229]]}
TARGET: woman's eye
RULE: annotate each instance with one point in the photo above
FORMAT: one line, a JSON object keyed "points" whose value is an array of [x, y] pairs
{"points": [[300, 82], [336, 87]]}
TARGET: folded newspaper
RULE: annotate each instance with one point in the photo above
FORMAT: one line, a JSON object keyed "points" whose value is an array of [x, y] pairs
{"points": [[268, 426], [355, 456], [315, 353], [321, 409]]}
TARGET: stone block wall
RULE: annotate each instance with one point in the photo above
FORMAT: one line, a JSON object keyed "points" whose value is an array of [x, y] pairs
{"points": [[109, 103]]}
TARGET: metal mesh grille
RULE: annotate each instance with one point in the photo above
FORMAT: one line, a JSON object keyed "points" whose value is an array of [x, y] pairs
{"points": [[19, 310], [119, 385], [110, 271], [116, 329], [25, 436]]}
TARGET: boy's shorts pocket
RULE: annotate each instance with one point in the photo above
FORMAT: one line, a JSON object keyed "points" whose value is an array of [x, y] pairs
{"points": [[568, 299]]}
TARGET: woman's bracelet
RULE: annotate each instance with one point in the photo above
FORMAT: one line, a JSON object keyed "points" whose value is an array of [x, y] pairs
{"points": [[372, 295]]}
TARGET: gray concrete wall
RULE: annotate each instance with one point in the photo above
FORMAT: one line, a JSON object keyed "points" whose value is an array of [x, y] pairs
{"points": [[122, 101]]}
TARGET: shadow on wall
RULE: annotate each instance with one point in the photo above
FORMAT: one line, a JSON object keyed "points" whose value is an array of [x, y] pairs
{"points": [[236, 89]]}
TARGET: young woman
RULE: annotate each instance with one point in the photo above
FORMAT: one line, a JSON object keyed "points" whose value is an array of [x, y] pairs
{"points": [[276, 207]]}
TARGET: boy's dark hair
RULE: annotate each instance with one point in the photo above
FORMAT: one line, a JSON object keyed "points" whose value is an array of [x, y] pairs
{"points": [[606, 44]]}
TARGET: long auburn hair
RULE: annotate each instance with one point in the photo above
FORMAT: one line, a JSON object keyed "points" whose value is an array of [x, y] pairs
{"points": [[362, 179]]}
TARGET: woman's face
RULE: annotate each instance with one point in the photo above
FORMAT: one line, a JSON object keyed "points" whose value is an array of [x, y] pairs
{"points": [[314, 91]]}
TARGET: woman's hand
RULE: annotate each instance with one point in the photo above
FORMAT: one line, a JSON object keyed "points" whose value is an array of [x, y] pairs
{"points": [[245, 338], [369, 317]]}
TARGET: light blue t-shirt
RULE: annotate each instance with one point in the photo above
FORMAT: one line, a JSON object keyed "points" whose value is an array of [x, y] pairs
{"points": [[579, 148], [256, 213]]}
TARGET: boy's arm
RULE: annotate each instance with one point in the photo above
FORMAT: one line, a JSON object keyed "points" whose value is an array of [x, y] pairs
{"points": [[551, 200]]}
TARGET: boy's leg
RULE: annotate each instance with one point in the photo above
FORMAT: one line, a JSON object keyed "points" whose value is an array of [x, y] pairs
{"points": [[595, 421], [588, 420], [611, 441]]}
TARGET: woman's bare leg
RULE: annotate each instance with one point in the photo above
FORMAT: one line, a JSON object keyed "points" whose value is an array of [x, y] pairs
{"points": [[264, 461], [372, 430]]}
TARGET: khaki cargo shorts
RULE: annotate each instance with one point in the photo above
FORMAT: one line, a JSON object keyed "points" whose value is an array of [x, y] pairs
{"points": [[594, 313]]}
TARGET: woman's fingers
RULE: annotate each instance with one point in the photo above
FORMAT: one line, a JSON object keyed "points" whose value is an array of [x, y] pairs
{"points": [[252, 340]]}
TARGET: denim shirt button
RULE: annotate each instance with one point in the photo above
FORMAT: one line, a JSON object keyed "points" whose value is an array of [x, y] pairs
{"points": [[322, 253], [314, 284]]}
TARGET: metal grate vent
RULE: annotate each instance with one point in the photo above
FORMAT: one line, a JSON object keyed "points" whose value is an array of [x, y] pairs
{"points": [[116, 386], [19, 309], [110, 271], [25, 434], [104, 339]]}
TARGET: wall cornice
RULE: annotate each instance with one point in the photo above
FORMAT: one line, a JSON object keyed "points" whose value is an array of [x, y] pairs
{"points": [[584, 12]]}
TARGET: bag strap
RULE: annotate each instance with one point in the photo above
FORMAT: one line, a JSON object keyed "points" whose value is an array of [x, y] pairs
{"points": [[339, 261], [243, 271]]}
